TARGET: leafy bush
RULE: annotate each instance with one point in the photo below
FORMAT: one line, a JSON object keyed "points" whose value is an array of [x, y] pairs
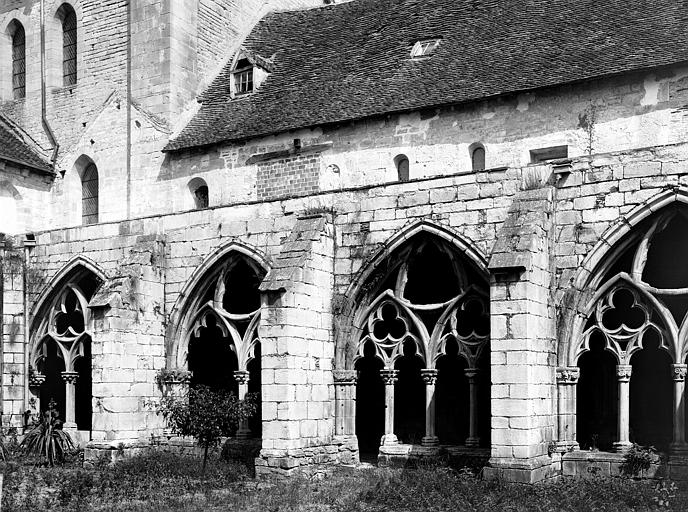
{"points": [[207, 415], [47, 440], [639, 458]]}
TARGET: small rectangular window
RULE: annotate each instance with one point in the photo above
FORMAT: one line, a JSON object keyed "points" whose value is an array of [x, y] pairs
{"points": [[545, 154], [243, 81]]}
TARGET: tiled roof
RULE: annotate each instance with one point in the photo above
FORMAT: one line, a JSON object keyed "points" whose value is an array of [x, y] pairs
{"points": [[16, 147], [352, 60]]}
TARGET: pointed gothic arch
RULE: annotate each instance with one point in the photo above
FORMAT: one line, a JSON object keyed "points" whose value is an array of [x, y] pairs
{"points": [[60, 343], [424, 292], [631, 301]]}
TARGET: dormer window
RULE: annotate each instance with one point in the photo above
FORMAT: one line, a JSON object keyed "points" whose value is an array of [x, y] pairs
{"points": [[243, 77], [424, 48]]}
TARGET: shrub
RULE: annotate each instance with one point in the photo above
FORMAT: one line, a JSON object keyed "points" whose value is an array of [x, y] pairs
{"points": [[47, 440], [206, 415], [639, 458]]}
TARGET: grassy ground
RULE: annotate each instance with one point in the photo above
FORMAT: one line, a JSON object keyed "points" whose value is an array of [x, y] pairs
{"points": [[165, 482]]}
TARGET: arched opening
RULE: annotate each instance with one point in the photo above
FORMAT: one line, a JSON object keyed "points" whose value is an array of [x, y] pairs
{"points": [[597, 407], [651, 395], [89, 195], [198, 189], [61, 362], [222, 332], [631, 388], [370, 403], [424, 331], [401, 162], [16, 32], [67, 17], [477, 151]]}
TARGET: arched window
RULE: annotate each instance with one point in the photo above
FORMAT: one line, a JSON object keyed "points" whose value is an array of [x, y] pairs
{"points": [[632, 347], [60, 363], [199, 192], [477, 157], [69, 35], [402, 164], [89, 195], [18, 61], [425, 334]]}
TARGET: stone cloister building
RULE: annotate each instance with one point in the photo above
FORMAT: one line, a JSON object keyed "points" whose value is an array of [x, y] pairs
{"points": [[416, 229]]}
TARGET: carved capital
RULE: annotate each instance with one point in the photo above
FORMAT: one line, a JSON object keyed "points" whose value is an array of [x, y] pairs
{"points": [[389, 376], [568, 375], [472, 373], [241, 376], [345, 377], [678, 372], [623, 372], [36, 379], [70, 377], [429, 377]]}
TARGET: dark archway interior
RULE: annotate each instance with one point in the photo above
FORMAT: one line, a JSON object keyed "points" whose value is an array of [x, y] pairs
{"points": [[370, 402], [452, 397], [651, 395], [597, 398], [212, 360], [409, 397], [242, 293], [254, 386], [431, 276], [84, 384], [53, 388]]}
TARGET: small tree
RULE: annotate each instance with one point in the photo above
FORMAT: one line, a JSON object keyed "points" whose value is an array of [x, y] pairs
{"points": [[206, 415]]}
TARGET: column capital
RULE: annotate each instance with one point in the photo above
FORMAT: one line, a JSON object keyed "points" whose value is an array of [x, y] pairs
{"points": [[241, 376], [623, 372], [36, 379], [345, 377], [678, 372], [472, 373], [70, 377], [429, 376], [389, 376], [568, 374]]}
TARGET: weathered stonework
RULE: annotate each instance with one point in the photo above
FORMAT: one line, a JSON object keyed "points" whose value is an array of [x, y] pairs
{"points": [[326, 218]]}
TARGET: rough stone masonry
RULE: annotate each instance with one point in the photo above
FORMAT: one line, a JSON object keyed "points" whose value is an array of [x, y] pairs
{"points": [[511, 298]]}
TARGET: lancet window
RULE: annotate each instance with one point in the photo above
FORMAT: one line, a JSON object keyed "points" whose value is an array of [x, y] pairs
{"points": [[60, 361], [421, 353]]}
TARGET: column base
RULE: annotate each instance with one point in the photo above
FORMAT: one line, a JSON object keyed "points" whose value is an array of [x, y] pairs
{"points": [[622, 446], [389, 440], [473, 442], [680, 449], [243, 434], [566, 446], [430, 441], [69, 425]]}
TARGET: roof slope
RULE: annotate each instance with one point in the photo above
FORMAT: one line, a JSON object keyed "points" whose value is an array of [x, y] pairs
{"points": [[352, 60], [17, 147]]}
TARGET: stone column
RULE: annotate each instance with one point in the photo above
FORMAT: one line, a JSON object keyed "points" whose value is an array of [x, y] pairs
{"points": [[430, 378], [69, 379], [242, 376], [623, 374], [567, 379], [390, 377], [473, 439], [345, 402], [36, 380], [678, 372]]}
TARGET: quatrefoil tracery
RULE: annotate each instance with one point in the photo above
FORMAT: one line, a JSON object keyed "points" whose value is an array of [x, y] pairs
{"points": [[240, 328], [67, 324], [391, 321]]}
